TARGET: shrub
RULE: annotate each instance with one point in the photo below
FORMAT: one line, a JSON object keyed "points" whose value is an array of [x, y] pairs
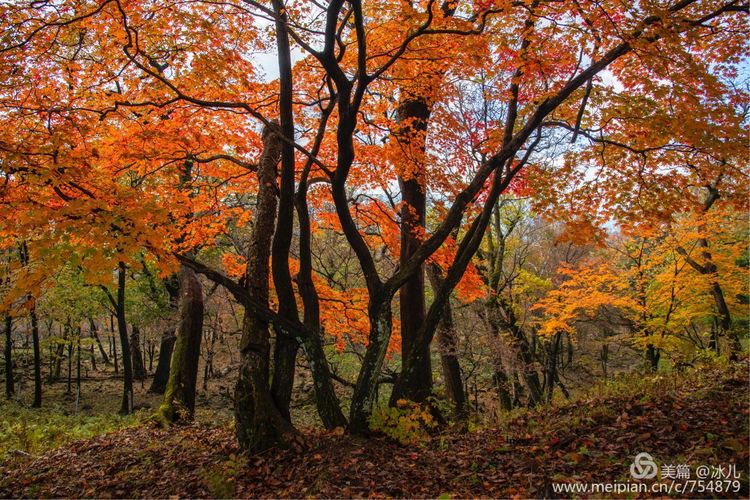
{"points": [[407, 422]]}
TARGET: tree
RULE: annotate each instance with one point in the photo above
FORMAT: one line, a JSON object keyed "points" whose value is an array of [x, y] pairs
{"points": [[259, 423], [179, 88], [179, 394], [9, 380]]}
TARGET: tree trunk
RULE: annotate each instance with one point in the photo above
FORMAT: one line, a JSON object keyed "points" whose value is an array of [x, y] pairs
{"points": [[94, 333], [258, 422], [10, 389], [500, 317], [365, 390], [652, 357], [446, 337], [179, 395], [161, 375], [502, 384], [139, 370], [126, 407], [70, 366], [59, 353], [466, 249], [550, 374], [37, 356], [329, 407], [709, 269], [114, 343], [92, 353], [285, 348], [413, 114], [78, 367]]}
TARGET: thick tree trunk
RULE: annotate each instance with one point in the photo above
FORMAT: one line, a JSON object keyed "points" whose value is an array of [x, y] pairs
{"points": [[725, 318], [415, 383], [258, 422], [451, 367], [37, 357], [161, 375], [139, 370], [466, 250], [10, 389], [126, 407], [179, 396]]}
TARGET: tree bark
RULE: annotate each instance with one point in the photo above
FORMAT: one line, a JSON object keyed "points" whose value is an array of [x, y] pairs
{"points": [[652, 358], [446, 337], [78, 367], [285, 348], [328, 405], [59, 353], [179, 396], [414, 383], [161, 375], [37, 356], [70, 366], [139, 369], [502, 384], [126, 407], [550, 374], [94, 332], [258, 422], [365, 389], [10, 389]]}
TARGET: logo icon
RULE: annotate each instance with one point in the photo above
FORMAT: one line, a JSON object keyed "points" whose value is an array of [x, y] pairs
{"points": [[643, 467]]}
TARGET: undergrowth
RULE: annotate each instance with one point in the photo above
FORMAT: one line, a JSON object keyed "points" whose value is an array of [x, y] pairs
{"points": [[34, 430]]}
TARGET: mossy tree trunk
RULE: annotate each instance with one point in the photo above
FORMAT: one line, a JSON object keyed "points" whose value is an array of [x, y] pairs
{"points": [[365, 390], [179, 396]]}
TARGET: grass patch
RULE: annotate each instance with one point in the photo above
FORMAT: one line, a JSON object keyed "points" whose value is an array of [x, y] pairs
{"points": [[35, 430]]}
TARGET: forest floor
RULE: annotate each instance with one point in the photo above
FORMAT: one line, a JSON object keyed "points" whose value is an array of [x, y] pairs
{"points": [[696, 419]]}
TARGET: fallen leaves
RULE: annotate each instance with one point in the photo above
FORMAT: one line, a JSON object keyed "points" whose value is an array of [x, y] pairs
{"points": [[195, 461]]}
